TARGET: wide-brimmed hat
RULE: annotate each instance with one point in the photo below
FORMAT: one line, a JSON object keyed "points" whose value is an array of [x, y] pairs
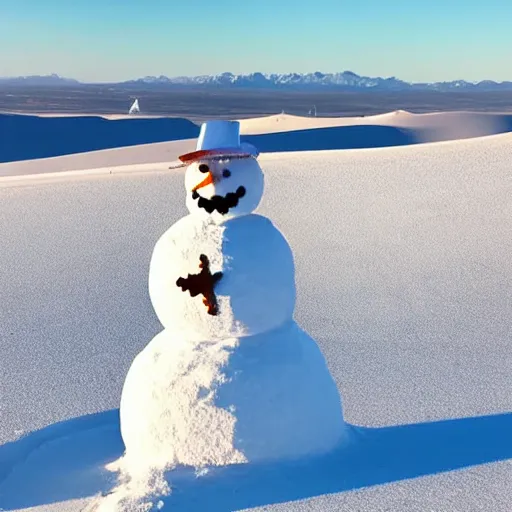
{"points": [[218, 139]]}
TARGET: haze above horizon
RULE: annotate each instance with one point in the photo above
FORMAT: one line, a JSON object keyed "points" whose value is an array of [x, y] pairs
{"points": [[92, 40]]}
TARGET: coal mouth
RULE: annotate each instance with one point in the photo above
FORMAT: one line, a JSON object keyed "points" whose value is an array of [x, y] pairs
{"points": [[222, 204]]}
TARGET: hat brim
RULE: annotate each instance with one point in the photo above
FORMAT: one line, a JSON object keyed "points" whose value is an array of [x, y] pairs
{"points": [[208, 154], [245, 151]]}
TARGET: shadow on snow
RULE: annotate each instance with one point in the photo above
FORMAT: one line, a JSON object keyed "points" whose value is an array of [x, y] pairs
{"points": [[374, 456], [25, 137], [29, 137]]}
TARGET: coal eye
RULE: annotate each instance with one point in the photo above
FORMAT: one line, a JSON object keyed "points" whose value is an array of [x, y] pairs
{"points": [[226, 173], [204, 168]]}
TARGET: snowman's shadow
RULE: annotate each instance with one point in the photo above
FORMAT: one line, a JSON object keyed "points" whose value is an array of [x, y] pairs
{"points": [[375, 456], [66, 461]]}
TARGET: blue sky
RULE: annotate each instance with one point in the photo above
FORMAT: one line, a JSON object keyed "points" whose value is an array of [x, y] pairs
{"points": [[102, 40]]}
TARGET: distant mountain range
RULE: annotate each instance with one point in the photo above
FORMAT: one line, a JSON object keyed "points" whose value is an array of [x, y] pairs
{"points": [[346, 80], [52, 79]]}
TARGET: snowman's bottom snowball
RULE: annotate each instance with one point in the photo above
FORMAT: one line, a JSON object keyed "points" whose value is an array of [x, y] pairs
{"points": [[257, 398]]}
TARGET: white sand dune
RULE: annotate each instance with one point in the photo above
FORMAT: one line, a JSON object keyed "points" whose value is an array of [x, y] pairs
{"points": [[142, 154], [288, 122], [283, 133], [430, 127], [112, 117], [403, 273]]}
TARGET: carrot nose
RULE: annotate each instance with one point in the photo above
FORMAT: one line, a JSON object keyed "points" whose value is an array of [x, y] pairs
{"points": [[207, 181]]}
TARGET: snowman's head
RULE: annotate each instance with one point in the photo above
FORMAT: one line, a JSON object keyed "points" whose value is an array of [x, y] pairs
{"points": [[223, 178], [224, 188]]}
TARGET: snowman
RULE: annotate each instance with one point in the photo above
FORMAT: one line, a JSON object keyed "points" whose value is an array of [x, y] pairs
{"points": [[231, 378]]}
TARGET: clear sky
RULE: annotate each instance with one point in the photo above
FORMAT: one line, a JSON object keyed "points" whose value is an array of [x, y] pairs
{"points": [[103, 40]]}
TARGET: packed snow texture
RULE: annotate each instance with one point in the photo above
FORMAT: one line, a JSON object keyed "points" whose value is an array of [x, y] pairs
{"points": [[259, 398], [255, 294], [402, 263]]}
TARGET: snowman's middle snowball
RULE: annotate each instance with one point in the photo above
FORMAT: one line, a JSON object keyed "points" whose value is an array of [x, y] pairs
{"points": [[255, 294]]}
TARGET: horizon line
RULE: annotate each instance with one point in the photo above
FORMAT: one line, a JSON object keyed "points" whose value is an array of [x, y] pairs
{"points": [[265, 74]]}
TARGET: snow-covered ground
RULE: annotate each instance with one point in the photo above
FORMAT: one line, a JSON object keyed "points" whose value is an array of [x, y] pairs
{"points": [[101, 141], [403, 260], [434, 126]]}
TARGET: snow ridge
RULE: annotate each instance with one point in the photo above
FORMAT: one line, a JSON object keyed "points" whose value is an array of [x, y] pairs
{"points": [[343, 80]]}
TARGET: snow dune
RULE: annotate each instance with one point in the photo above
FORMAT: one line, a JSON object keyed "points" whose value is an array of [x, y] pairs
{"points": [[119, 160], [453, 125], [26, 137], [34, 137], [403, 258]]}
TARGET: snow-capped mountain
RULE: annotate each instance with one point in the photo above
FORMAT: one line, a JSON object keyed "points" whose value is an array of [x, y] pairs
{"points": [[345, 80]]}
